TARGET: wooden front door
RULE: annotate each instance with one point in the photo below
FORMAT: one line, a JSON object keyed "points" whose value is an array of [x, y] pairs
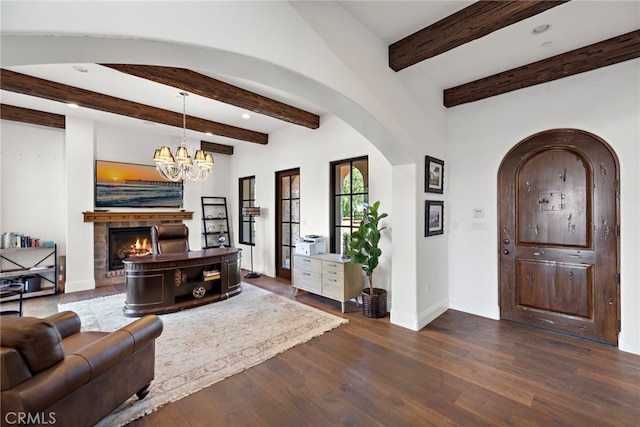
{"points": [[559, 234], [287, 219]]}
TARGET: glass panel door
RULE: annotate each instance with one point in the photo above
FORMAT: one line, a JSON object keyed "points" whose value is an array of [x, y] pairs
{"points": [[288, 219]]}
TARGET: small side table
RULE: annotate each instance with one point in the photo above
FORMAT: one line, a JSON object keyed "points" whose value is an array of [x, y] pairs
{"points": [[11, 290]]}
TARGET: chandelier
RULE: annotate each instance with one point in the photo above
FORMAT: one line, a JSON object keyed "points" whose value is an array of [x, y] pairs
{"points": [[180, 166]]}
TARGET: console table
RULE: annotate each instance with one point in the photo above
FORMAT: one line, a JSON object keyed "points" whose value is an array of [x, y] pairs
{"points": [[157, 284]]}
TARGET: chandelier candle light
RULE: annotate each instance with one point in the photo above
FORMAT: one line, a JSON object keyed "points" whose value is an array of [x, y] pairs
{"points": [[180, 166]]}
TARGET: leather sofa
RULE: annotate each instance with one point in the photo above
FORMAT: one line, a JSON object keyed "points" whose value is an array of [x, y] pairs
{"points": [[169, 239], [54, 374]]}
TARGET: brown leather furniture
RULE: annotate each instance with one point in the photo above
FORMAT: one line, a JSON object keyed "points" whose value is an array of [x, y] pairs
{"points": [[169, 239], [53, 374]]}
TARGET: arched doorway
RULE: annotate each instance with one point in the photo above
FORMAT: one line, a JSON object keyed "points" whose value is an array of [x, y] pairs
{"points": [[558, 204]]}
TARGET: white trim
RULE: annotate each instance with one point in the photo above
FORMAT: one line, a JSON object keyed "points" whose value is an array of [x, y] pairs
{"points": [[489, 311], [79, 285], [629, 344], [406, 320]]}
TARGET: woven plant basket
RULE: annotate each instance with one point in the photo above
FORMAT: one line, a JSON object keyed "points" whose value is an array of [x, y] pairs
{"points": [[375, 305]]}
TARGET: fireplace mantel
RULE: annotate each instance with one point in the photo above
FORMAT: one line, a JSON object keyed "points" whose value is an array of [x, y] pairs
{"points": [[136, 216]]}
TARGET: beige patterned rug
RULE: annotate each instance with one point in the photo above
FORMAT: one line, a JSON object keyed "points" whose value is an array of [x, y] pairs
{"points": [[201, 346]]}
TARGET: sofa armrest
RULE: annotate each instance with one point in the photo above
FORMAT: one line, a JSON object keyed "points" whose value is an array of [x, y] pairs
{"points": [[144, 330], [66, 322], [106, 352]]}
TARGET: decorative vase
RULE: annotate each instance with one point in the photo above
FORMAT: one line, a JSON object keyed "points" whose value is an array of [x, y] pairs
{"points": [[375, 305]]}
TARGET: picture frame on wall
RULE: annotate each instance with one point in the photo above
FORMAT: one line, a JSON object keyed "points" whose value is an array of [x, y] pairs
{"points": [[433, 175], [433, 217], [131, 185]]}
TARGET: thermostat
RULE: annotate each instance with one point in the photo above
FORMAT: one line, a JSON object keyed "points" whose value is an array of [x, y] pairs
{"points": [[478, 213]]}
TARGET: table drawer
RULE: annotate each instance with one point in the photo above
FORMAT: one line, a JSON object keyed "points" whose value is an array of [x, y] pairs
{"points": [[333, 287], [307, 264], [308, 281], [335, 269]]}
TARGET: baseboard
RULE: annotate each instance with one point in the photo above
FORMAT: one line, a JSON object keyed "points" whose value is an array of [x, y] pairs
{"points": [[629, 344], [405, 320], [415, 323], [466, 306], [79, 285], [431, 313]]}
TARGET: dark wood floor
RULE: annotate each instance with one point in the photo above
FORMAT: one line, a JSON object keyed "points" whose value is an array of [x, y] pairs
{"points": [[460, 370]]}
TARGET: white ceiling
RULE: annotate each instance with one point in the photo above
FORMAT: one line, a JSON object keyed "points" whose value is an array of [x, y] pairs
{"points": [[572, 25]]}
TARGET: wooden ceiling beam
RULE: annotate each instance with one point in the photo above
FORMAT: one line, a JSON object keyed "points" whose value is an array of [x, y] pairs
{"points": [[26, 115], [464, 26], [212, 147], [598, 55], [209, 87], [34, 86]]}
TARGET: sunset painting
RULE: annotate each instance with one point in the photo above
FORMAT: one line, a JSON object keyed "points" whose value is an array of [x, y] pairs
{"points": [[131, 185]]}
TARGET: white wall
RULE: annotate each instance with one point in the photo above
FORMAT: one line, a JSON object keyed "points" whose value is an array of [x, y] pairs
{"points": [[78, 185], [31, 175], [311, 151], [605, 102]]}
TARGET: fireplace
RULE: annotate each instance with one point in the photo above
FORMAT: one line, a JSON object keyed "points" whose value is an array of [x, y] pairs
{"points": [[128, 242], [104, 272]]}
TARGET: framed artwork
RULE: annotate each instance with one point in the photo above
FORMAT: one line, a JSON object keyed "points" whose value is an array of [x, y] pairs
{"points": [[433, 175], [433, 217], [136, 186]]}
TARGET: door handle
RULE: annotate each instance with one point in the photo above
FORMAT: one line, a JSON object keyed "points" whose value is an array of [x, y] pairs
{"points": [[506, 241], [505, 251]]}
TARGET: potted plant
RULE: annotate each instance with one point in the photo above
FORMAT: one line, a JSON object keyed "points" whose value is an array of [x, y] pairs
{"points": [[363, 249]]}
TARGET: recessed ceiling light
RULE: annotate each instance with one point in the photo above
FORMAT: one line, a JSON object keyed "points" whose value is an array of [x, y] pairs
{"points": [[246, 116], [208, 133], [80, 68], [72, 105], [541, 29], [546, 44]]}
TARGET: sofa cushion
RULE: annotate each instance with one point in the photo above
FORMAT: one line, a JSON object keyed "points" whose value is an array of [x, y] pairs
{"points": [[73, 343], [37, 340], [66, 322]]}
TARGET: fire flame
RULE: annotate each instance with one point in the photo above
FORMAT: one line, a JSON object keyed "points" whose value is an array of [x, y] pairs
{"points": [[140, 247]]}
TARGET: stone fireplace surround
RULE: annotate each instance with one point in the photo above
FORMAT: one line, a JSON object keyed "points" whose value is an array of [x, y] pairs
{"points": [[102, 222]]}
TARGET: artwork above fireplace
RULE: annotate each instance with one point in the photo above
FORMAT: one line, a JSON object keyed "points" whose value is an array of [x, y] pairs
{"points": [[128, 242]]}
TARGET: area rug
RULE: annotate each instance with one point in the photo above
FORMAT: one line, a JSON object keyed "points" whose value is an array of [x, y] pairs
{"points": [[201, 346]]}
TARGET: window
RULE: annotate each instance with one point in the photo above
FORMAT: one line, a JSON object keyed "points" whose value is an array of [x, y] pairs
{"points": [[349, 198], [247, 198]]}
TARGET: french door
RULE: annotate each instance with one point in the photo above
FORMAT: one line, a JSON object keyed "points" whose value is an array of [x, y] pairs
{"points": [[287, 219]]}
